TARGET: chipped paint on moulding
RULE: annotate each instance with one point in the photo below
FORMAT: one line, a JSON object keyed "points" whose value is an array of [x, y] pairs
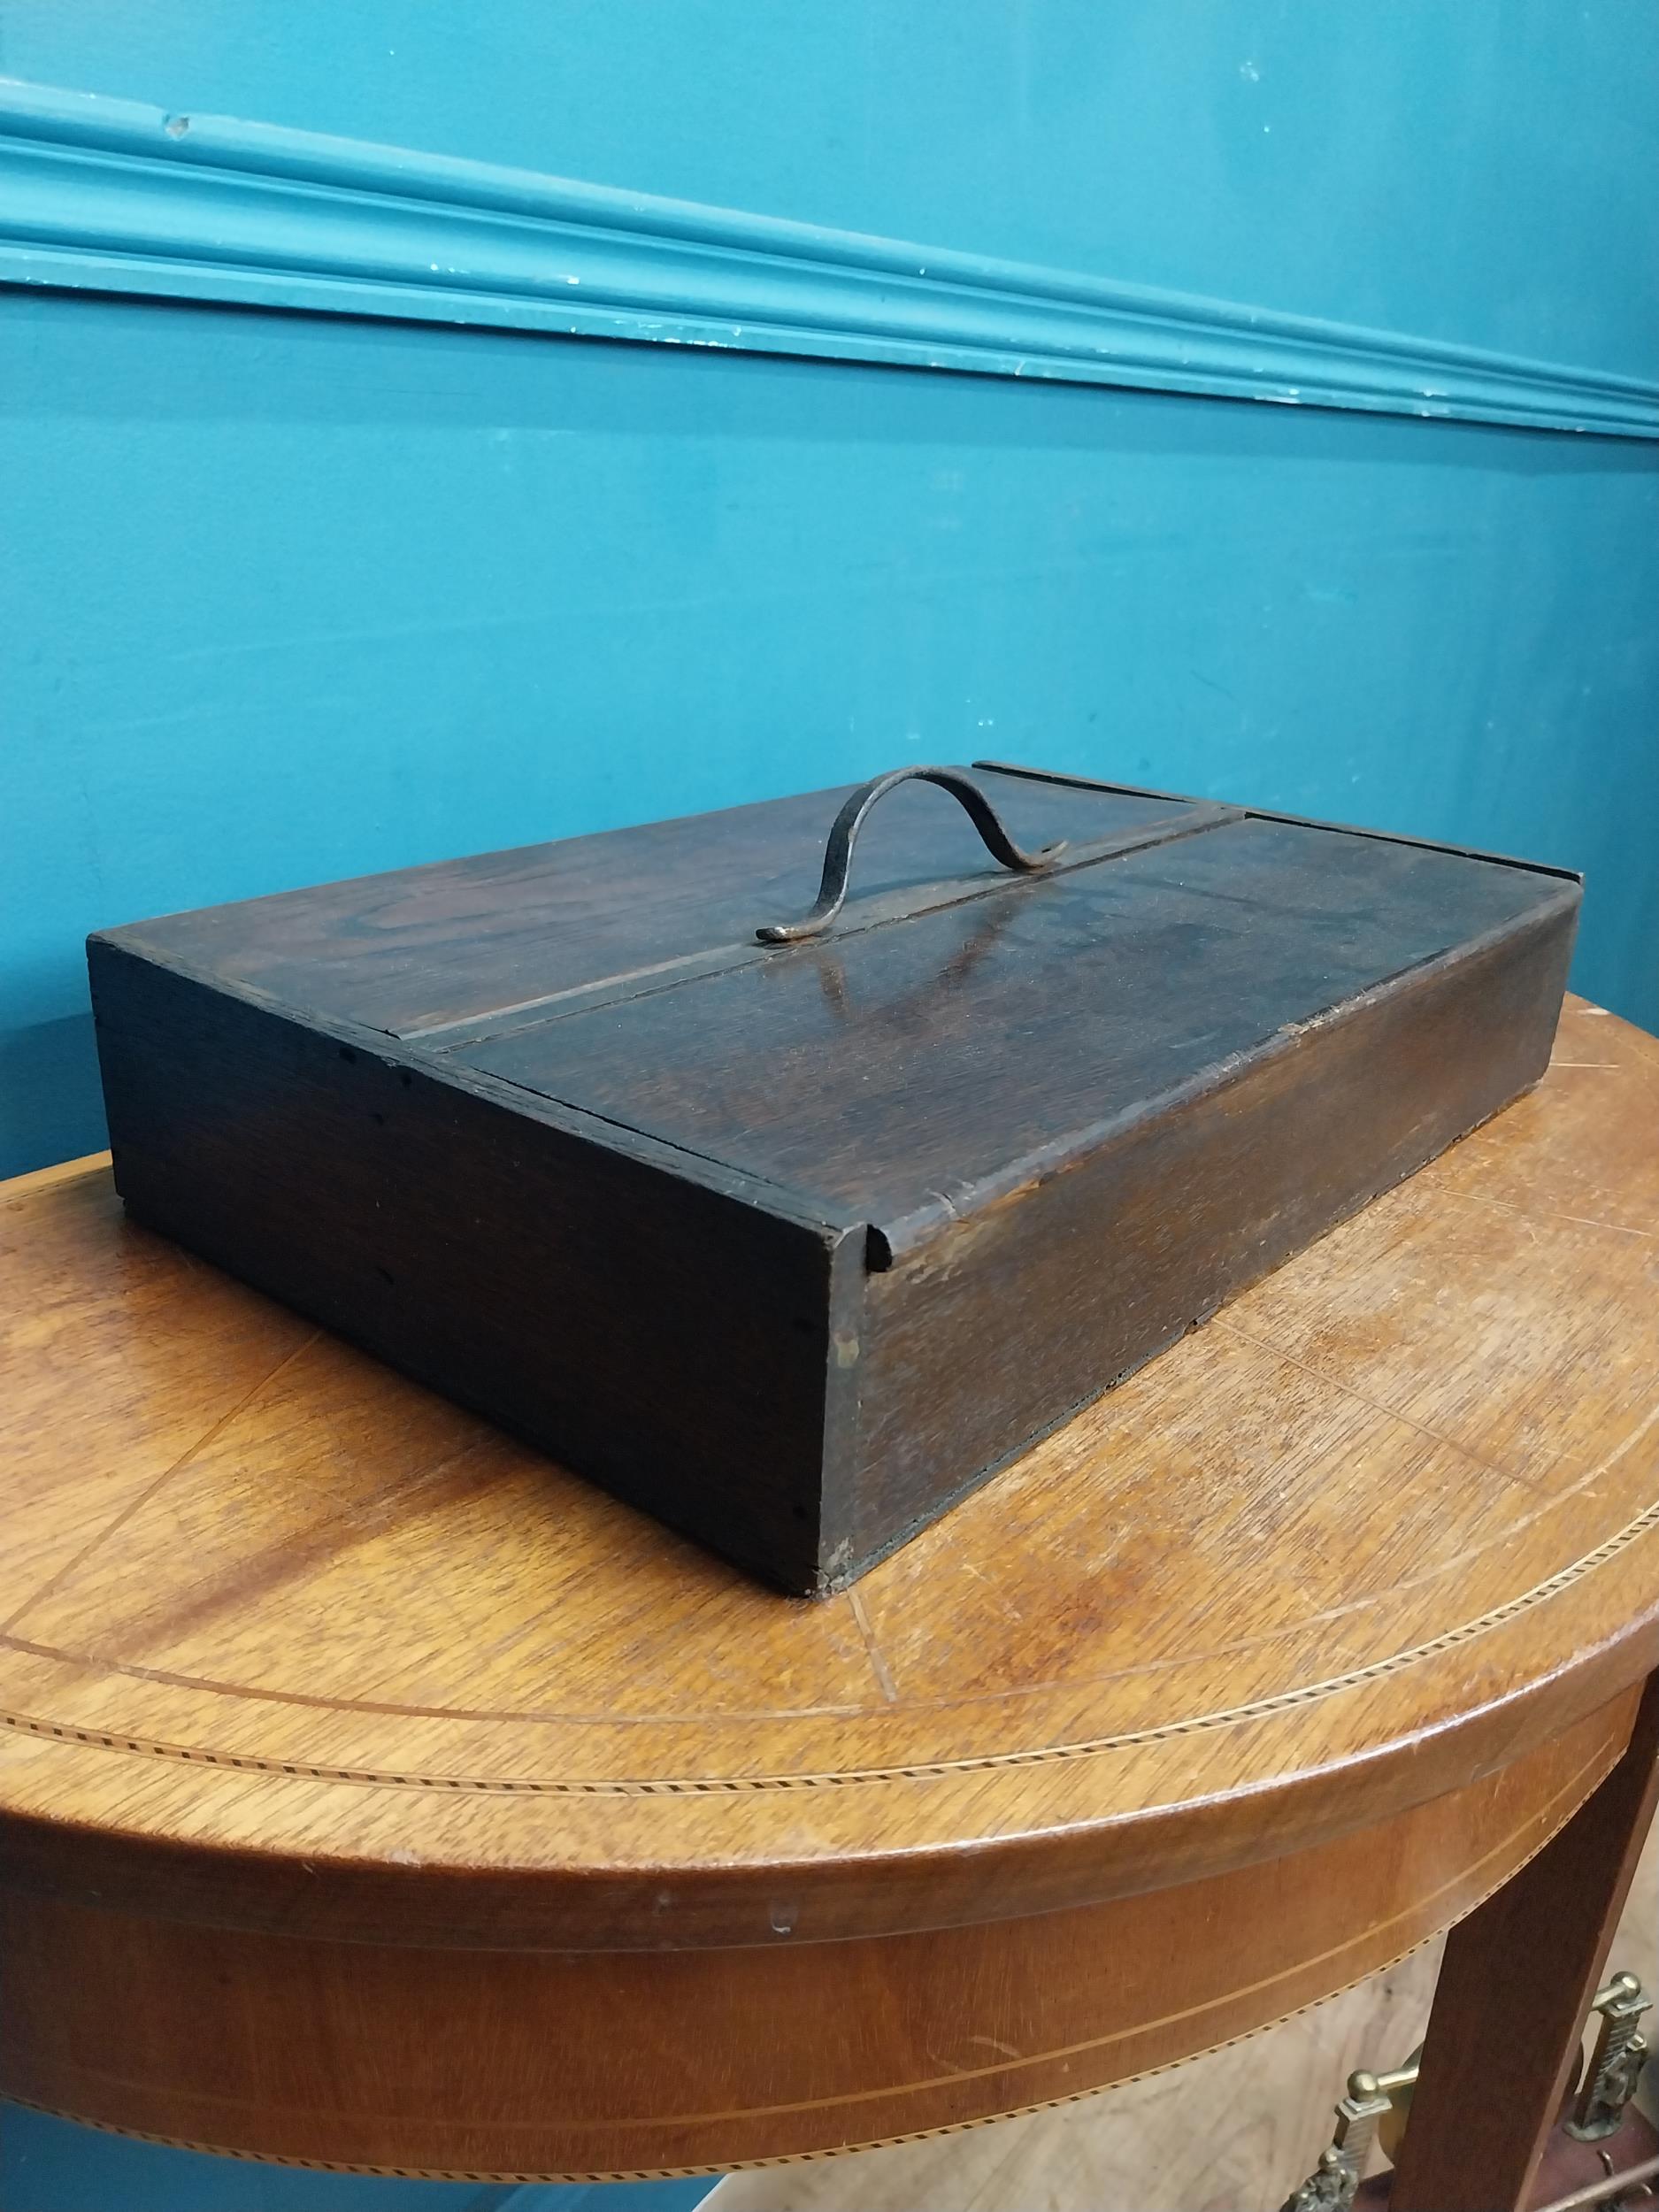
{"points": [[117, 196]]}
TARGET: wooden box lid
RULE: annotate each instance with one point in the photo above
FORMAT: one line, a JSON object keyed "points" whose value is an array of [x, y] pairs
{"points": [[956, 1026]]}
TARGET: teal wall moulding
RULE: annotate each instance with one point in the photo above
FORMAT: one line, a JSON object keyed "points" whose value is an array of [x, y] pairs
{"points": [[114, 196]]}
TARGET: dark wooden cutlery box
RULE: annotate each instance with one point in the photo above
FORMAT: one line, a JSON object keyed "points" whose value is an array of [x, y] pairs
{"points": [[790, 1225]]}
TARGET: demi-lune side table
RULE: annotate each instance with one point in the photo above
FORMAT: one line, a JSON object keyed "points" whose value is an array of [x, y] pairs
{"points": [[375, 1794]]}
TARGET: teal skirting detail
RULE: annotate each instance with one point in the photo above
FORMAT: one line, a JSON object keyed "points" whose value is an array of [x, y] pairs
{"points": [[112, 196]]}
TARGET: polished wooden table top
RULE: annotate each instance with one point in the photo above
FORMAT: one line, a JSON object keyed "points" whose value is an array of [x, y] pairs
{"points": [[291, 1645]]}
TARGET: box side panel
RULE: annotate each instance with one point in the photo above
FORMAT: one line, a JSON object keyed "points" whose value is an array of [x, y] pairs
{"points": [[987, 1335], [668, 1341]]}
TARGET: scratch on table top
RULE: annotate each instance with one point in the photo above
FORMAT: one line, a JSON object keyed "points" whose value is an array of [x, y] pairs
{"points": [[877, 1664], [1579, 1221]]}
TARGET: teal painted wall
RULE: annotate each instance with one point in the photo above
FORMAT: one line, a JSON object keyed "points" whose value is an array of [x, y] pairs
{"points": [[48, 2165], [287, 597], [1483, 174]]}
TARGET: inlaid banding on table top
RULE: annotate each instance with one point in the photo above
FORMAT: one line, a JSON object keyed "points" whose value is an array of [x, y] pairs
{"points": [[1490, 1871], [108, 1664], [1258, 1708]]}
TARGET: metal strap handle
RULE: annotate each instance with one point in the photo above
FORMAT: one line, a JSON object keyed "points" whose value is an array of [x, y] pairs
{"points": [[838, 853]]}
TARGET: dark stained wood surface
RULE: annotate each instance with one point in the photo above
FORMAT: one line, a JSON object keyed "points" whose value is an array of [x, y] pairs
{"points": [[669, 1336], [978, 1334], [999, 1138], [420, 947], [318, 1689], [901, 1075]]}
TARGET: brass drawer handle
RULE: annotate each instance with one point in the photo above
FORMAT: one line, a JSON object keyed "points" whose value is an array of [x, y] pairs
{"points": [[838, 853]]}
